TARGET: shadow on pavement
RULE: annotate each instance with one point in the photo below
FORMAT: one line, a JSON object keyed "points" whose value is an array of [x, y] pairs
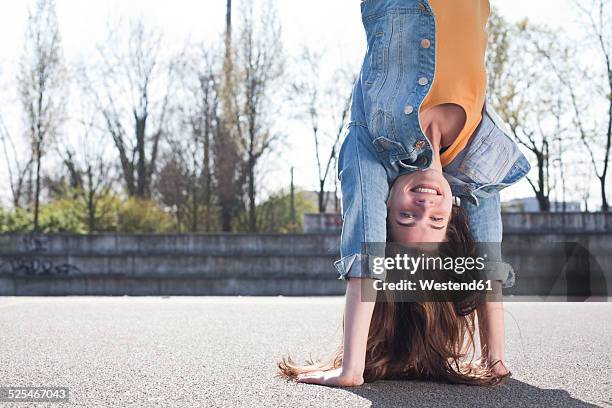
{"points": [[513, 393]]}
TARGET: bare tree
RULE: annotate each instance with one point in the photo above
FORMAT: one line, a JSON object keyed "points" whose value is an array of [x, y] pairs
{"points": [[326, 108], [584, 97], [600, 35], [17, 169], [173, 185], [199, 118], [549, 78], [89, 183], [41, 83], [523, 91], [228, 31], [92, 179], [228, 163], [85, 175], [131, 86], [229, 174], [259, 64]]}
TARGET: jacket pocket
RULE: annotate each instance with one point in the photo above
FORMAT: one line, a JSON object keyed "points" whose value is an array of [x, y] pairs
{"points": [[490, 157], [375, 57]]}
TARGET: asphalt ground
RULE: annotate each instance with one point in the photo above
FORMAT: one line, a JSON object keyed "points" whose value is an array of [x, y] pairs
{"points": [[221, 352]]}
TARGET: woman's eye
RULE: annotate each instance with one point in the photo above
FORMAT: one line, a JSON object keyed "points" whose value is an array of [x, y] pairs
{"points": [[406, 215], [437, 219]]}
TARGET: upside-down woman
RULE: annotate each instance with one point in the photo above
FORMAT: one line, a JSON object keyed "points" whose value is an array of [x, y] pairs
{"points": [[421, 137]]}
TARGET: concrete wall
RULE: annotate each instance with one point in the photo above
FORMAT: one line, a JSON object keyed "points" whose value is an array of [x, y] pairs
{"points": [[533, 222], [267, 264], [186, 264], [560, 264], [317, 223], [538, 222]]}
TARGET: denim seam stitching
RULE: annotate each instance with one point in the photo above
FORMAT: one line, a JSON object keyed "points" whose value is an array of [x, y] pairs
{"points": [[384, 73], [363, 206], [422, 92], [395, 10], [396, 87]]}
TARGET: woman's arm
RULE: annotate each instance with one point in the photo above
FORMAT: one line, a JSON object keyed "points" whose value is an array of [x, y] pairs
{"points": [[365, 188], [491, 328], [486, 226], [357, 317]]}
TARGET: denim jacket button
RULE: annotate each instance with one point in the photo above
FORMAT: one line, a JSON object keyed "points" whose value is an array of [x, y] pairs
{"points": [[425, 43], [408, 109], [421, 6], [423, 81], [419, 144], [423, 161]]}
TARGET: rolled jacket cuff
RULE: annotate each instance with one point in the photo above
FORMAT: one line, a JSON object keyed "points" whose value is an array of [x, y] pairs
{"points": [[500, 271], [356, 266]]}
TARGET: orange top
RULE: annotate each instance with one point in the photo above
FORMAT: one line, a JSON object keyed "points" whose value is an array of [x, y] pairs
{"points": [[460, 76]]}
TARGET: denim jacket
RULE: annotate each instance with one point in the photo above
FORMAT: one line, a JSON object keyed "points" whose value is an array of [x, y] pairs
{"points": [[384, 139]]}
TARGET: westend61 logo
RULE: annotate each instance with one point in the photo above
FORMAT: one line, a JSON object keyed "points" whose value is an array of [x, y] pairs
{"points": [[411, 264]]}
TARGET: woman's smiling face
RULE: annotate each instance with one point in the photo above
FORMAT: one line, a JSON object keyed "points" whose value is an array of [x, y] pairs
{"points": [[419, 207]]}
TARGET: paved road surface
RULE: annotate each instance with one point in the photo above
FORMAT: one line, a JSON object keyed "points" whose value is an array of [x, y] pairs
{"points": [[220, 352]]}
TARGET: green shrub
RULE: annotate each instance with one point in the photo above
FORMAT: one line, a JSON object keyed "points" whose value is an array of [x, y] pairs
{"points": [[142, 216], [112, 214], [274, 215], [17, 220], [63, 215]]}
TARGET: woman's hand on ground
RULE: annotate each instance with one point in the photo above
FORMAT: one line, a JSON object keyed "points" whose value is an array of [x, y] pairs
{"points": [[498, 367], [333, 378]]}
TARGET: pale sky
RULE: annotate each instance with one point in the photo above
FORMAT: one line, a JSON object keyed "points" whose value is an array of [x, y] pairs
{"points": [[330, 26]]}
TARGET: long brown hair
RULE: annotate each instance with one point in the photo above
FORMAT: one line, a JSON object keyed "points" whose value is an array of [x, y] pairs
{"points": [[420, 341]]}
